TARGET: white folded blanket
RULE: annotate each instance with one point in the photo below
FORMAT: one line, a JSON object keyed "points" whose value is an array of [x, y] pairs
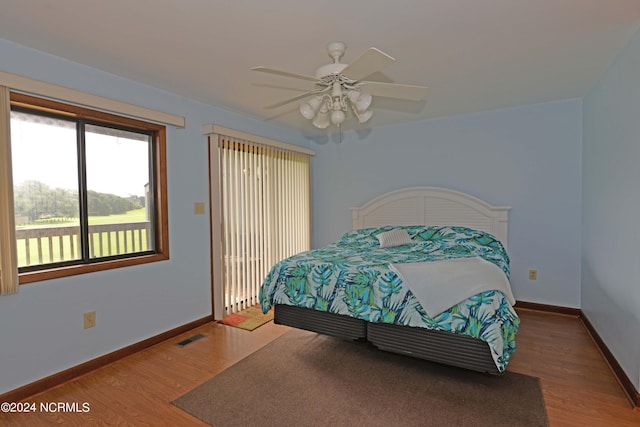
{"points": [[439, 285]]}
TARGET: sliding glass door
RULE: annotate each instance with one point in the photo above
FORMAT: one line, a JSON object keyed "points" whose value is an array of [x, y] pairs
{"points": [[265, 214]]}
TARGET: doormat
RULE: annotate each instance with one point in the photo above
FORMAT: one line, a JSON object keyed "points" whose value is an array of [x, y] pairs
{"points": [[249, 318]]}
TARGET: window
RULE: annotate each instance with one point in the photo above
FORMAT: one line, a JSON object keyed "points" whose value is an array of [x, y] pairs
{"points": [[89, 189]]}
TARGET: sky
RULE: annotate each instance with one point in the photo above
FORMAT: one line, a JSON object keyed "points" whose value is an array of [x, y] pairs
{"points": [[46, 152]]}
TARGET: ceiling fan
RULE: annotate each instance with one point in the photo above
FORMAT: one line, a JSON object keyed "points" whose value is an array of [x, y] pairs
{"points": [[339, 86]]}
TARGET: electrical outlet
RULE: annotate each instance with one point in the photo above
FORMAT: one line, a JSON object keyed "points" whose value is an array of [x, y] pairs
{"points": [[89, 319], [533, 274]]}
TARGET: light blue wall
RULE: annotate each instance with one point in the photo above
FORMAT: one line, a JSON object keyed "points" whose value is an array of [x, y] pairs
{"points": [[41, 327], [611, 209], [527, 158]]}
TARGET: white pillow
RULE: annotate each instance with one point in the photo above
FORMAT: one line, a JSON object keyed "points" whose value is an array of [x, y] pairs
{"points": [[395, 237]]}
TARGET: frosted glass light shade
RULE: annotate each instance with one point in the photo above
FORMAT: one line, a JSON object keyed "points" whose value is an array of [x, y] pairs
{"points": [[310, 108], [321, 121], [363, 102], [365, 116], [360, 100], [337, 117]]}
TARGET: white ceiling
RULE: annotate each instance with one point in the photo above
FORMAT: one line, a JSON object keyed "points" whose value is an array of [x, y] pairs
{"points": [[474, 55]]}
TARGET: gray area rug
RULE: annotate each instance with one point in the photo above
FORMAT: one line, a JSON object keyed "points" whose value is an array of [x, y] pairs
{"points": [[306, 379]]}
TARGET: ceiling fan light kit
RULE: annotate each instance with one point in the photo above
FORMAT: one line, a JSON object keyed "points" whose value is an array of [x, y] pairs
{"points": [[339, 87], [337, 103]]}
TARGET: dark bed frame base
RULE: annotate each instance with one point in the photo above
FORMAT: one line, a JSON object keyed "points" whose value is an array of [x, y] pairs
{"points": [[436, 346], [336, 325]]}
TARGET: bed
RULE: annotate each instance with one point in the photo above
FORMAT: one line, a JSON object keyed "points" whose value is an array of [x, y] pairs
{"points": [[361, 287]]}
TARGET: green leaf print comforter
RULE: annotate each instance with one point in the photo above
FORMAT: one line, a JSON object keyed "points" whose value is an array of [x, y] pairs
{"points": [[352, 277]]}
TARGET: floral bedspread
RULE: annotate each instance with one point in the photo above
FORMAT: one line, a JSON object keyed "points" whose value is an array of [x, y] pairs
{"points": [[352, 277]]}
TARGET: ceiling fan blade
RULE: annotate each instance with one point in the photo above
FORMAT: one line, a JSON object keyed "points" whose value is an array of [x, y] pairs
{"points": [[284, 73], [295, 98], [394, 90], [366, 64]]}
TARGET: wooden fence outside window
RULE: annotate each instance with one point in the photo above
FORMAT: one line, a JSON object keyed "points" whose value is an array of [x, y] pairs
{"points": [[44, 245]]}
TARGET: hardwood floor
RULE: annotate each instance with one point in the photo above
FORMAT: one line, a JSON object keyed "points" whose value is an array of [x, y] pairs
{"points": [[578, 387]]}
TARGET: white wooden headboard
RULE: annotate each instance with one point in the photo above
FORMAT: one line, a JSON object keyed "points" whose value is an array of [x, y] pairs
{"points": [[433, 206]]}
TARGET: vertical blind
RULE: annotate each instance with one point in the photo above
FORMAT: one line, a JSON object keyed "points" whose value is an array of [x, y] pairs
{"points": [[265, 214]]}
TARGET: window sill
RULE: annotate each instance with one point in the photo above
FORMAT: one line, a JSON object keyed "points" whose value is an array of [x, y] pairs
{"points": [[56, 273]]}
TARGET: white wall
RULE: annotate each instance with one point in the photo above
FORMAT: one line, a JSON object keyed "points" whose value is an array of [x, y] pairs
{"points": [[41, 327], [611, 209], [527, 158]]}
